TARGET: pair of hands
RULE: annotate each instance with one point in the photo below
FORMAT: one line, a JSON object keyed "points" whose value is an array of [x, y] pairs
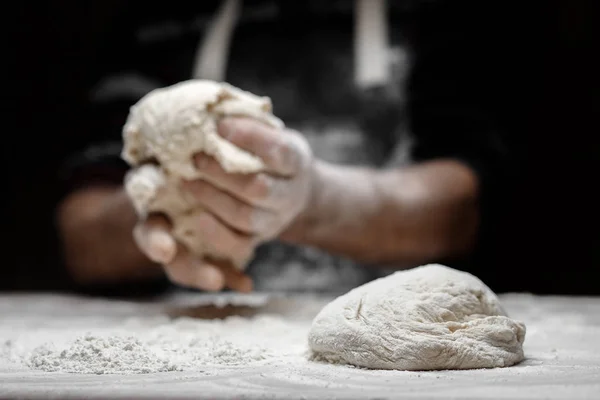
{"points": [[241, 210]]}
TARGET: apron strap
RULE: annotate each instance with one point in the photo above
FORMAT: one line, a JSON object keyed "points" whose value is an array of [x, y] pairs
{"points": [[213, 50], [371, 43]]}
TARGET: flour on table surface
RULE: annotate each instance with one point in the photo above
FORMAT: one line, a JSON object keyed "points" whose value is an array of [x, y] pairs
{"points": [[181, 345], [562, 348], [91, 354], [139, 345]]}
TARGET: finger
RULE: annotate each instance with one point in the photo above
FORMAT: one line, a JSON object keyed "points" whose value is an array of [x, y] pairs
{"points": [[224, 241], [255, 189], [154, 239], [250, 220], [234, 278], [188, 271], [276, 147]]}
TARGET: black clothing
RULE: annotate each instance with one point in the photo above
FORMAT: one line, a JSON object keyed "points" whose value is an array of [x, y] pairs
{"points": [[507, 88]]}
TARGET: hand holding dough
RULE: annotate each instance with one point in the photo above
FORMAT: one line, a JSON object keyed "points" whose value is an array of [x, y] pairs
{"points": [[163, 133]]}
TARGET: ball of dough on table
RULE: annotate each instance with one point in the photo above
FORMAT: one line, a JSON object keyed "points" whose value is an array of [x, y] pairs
{"points": [[427, 318]]}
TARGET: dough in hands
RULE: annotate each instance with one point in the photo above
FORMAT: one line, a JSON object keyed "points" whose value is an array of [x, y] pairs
{"points": [[428, 318], [165, 129]]}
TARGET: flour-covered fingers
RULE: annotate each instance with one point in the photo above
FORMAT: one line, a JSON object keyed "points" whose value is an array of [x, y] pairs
{"points": [[234, 279], [255, 189], [249, 219], [277, 148], [188, 271], [154, 239], [223, 241]]}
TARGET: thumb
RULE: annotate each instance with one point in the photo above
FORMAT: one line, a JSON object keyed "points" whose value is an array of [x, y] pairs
{"points": [[153, 237]]}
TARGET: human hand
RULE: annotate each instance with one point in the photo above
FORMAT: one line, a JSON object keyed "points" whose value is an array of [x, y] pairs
{"points": [[241, 210], [247, 209], [153, 237]]}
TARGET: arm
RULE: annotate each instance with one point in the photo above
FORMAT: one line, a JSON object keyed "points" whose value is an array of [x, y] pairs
{"points": [[93, 217], [401, 216], [445, 205], [95, 224], [404, 216]]}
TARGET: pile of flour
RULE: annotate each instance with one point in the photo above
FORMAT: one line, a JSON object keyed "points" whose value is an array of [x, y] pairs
{"points": [[184, 344], [92, 354], [95, 336]]}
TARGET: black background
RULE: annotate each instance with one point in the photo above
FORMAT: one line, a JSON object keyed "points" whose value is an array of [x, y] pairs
{"points": [[554, 230]]}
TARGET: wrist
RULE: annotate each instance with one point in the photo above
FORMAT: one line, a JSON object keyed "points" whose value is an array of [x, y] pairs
{"points": [[301, 226]]}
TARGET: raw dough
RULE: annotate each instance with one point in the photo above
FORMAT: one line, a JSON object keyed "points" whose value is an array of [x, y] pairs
{"points": [[428, 318], [163, 132]]}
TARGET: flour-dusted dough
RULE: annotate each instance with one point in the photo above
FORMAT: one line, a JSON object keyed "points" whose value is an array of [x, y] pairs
{"points": [[428, 318], [163, 132]]}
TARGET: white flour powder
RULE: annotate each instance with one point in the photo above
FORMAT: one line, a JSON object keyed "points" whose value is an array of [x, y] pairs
{"points": [[96, 355], [181, 345], [100, 337], [263, 357]]}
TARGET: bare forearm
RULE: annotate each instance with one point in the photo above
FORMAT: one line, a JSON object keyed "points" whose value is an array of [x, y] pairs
{"points": [[96, 229], [400, 217]]}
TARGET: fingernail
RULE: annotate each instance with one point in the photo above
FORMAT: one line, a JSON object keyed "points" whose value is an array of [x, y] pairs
{"points": [[209, 277], [161, 247]]}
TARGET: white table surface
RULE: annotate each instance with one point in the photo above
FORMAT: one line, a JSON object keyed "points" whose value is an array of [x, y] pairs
{"points": [[562, 348]]}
